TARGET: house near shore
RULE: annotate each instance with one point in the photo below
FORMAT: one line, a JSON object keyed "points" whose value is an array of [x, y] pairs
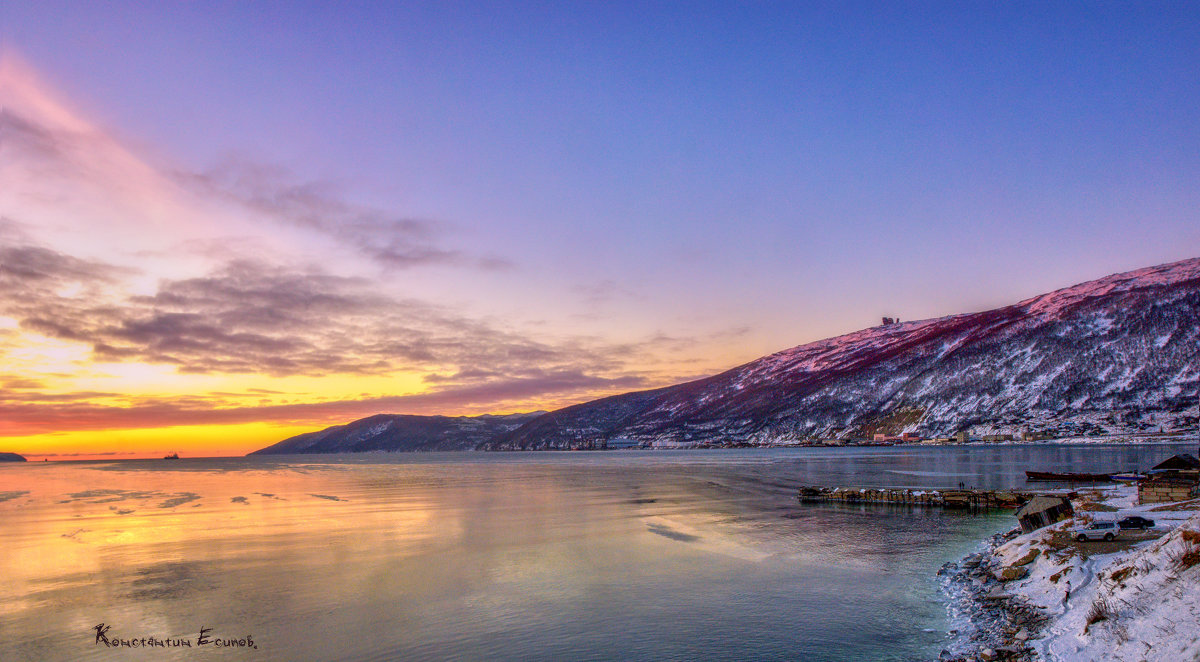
{"points": [[1167, 489], [1182, 465], [1044, 510], [1176, 478]]}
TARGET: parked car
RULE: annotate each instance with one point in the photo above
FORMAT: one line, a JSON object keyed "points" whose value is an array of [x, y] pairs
{"points": [[1097, 531], [1136, 522]]}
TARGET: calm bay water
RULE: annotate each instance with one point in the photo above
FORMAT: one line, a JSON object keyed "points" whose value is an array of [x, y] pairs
{"points": [[530, 556]]}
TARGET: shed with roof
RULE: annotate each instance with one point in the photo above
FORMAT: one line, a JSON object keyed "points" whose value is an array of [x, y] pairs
{"points": [[1183, 462], [1044, 510]]}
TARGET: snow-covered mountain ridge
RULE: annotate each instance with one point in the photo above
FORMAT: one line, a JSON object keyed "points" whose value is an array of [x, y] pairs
{"points": [[1117, 354], [398, 432], [1120, 354]]}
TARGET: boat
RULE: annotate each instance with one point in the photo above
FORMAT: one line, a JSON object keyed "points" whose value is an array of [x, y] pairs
{"points": [[172, 456], [1129, 477], [1067, 477]]}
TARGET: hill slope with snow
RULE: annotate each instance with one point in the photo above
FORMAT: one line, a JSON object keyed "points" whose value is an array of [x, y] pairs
{"points": [[388, 432], [1118, 354]]}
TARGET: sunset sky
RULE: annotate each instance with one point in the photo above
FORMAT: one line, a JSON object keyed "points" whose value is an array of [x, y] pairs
{"points": [[224, 223]]}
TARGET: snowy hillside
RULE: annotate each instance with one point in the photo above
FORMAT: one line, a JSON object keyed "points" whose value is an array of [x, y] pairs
{"points": [[386, 432], [1115, 355], [1136, 599]]}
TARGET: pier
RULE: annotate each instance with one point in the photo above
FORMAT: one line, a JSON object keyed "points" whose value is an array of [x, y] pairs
{"points": [[963, 499]]}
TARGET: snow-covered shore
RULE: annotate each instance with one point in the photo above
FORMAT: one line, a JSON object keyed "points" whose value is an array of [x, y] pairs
{"points": [[1044, 596]]}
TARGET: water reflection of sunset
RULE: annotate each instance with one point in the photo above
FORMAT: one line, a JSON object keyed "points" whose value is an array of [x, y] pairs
{"points": [[86, 526], [439, 555]]}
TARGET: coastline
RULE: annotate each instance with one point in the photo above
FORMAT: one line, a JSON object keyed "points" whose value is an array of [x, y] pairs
{"points": [[993, 624], [1043, 596]]}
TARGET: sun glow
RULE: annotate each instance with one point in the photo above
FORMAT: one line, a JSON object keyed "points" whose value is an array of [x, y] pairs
{"points": [[146, 308], [187, 441]]}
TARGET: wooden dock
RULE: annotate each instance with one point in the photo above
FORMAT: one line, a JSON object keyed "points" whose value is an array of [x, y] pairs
{"points": [[961, 499]]}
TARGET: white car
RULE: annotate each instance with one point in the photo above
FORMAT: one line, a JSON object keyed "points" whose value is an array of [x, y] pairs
{"points": [[1097, 531]]}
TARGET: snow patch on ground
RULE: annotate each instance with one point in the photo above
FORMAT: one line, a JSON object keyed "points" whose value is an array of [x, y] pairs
{"points": [[1138, 603], [1135, 605]]}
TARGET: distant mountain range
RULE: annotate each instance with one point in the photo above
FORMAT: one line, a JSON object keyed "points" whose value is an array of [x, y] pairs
{"points": [[401, 432], [1116, 355]]}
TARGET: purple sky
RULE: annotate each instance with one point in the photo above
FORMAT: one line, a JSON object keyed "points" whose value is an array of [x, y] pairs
{"points": [[745, 157], [692, 184]]}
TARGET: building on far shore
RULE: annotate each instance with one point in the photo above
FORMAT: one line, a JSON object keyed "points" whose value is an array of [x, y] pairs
{"points": [[907, 437], [939, 440], [618, 443]]}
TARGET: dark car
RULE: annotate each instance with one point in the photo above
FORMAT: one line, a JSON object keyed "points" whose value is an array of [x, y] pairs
{"points": [[1135, 522]]}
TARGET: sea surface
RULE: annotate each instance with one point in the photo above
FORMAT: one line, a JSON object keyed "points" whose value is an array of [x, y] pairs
{"points": [[620, 555]]}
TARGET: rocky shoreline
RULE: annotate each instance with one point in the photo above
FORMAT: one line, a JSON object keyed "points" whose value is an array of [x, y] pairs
{"points": [[999, 625]]}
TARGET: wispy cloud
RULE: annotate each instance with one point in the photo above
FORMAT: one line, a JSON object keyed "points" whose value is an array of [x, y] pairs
{"points": [[34, 413], [21, 137], [55, 159], [252, 317], [36, 269], [20, 383], [392, 241], [603, 291], [248, 270]]}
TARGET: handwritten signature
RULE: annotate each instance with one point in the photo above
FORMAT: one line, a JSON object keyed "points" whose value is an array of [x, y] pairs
{"points": [[206, 638]]}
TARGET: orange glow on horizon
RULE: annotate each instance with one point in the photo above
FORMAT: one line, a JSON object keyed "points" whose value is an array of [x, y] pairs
{"points": [[187, 441], [149, 308], [218, 440]]}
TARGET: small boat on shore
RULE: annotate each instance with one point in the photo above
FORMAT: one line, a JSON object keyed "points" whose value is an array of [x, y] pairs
{"points": [[1068, 477], [1129, 477]]}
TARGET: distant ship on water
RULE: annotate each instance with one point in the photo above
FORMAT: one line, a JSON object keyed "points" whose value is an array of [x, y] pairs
{"points": [[172, 456]]}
